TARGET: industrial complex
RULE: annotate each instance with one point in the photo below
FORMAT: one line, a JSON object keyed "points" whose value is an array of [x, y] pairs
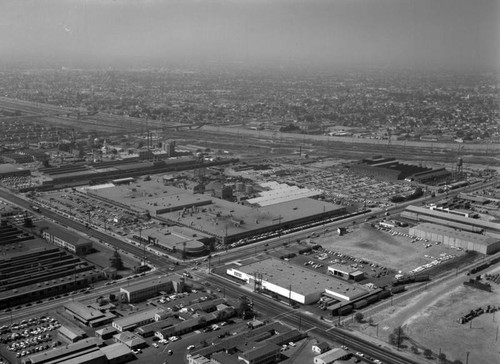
{"points": [[229, 238]]}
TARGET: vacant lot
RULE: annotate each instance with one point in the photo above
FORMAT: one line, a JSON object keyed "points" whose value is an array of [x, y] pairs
{"points": [[383, 248], [430, 321]]}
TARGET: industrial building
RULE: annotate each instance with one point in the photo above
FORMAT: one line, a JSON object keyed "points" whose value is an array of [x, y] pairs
{"points": [[391, 170], [71, 335], [128, 323], [230, 222], [87, 315], [86, 351], [130, 340], [42, 273], [95, 173], [83, 351], [11, 234], [294, 282], [10, 170], [281, 192], [332, 356], [143, 290], [346, 272], [66, 239], [444, 218], [177, 239], [151, 197], [261, 354], [456, 239]]}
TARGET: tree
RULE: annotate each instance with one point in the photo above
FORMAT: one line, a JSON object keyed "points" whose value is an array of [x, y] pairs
{"points": [[442, 357], [370, 321], [116, 261], [28, 222], [244, 308], [392, 339], [358, 317], [397, 199], [397, 336], [427, 353], [457, 362], [202, 321]]}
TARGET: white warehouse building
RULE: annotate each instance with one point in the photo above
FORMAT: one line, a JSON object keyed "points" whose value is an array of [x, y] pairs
{"points": [[457, 239], [300, 284]]}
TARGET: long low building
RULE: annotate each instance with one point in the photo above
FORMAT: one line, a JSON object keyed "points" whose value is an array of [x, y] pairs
{"points": [[66, 239], [144, 290], [392, 170], [294, 282], [417, 213], [454, 238], [10, 170], [88, 316], [133, 321]]}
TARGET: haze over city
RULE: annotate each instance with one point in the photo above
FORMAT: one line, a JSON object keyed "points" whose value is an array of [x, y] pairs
{"points": [[249, 181], [456, 34]]}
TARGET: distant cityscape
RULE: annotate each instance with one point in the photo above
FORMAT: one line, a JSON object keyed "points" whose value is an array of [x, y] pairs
{"points": [[210, 218], [390, 105]]}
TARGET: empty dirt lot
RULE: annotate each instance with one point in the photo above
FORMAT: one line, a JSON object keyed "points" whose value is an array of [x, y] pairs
{"points": [[430, 320]]}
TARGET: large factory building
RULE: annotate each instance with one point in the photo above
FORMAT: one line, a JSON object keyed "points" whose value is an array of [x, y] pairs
{"points": [[391, 170], [457, 239], [294, 282], [417, 213]]}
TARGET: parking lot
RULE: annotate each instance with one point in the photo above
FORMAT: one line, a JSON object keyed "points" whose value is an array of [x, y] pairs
{"points": [[27, 337], [382, 247], [340, 185]]}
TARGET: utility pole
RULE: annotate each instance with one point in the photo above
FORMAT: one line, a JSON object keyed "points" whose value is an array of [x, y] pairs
{"points": [[144, 245], [399, 337]]}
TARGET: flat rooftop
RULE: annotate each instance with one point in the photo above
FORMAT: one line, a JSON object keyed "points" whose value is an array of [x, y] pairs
{"points": [[281, 192], [457, 218], [173, 236], [152, 196], [303, 281], [224, 218], [462, 235], [64, 234], [147, 284], [9, 168], [84, 312]]}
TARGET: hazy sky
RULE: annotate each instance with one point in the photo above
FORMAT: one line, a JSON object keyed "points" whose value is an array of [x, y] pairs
{"points": [[411, 33]]}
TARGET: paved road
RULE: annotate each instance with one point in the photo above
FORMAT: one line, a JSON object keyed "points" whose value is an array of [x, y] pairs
{"points": [[160, 262], [312, 325]]}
